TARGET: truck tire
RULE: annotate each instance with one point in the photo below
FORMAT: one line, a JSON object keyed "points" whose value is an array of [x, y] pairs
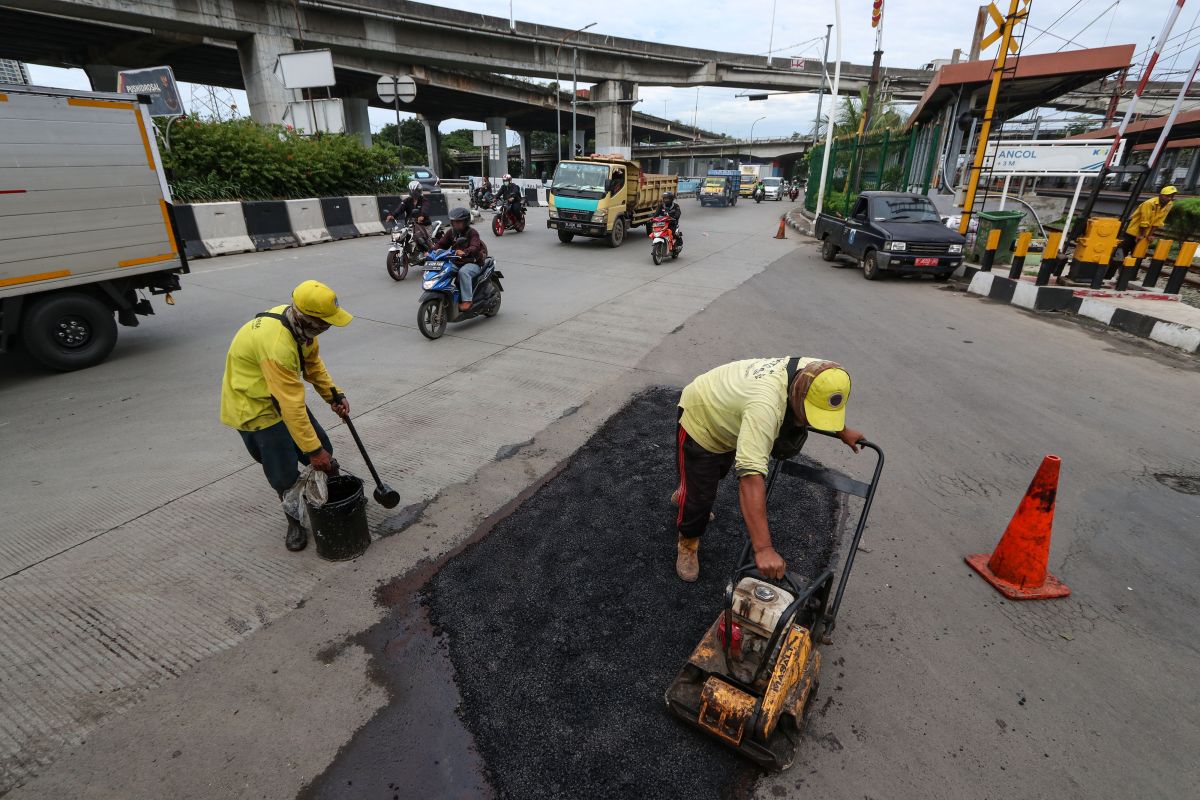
{"points": [[829, 250], [565, 237], [618, 233], [69, 331], [870, 264]]}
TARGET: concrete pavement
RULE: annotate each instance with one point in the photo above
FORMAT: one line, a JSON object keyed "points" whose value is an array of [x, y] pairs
{"points": [[935, 687], [141, 539]]}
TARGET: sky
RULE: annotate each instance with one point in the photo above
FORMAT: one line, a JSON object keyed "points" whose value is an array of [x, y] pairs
{"points": [[914, 33]]}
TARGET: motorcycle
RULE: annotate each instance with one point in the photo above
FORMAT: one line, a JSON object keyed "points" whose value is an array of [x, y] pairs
{"points": [[662, 239], [439, 302], [482, 198], [404, 251], [505, 220], [793, 193], [759, 195]]}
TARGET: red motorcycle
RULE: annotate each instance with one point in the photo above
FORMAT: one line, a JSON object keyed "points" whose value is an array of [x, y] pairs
{"points": [[662, 239], [505, 220]]}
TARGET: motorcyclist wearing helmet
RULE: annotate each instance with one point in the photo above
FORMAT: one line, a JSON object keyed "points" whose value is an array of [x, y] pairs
{"points": [[469, 253], [415, 210], [758, 187], [513, 197], [668, 207]]}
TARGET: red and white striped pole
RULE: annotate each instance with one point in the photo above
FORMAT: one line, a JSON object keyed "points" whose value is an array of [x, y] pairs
{"points": [[1141, 85]]}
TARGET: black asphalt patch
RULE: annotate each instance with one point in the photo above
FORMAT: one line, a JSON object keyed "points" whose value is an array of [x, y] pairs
{"points": [[567, 622]]}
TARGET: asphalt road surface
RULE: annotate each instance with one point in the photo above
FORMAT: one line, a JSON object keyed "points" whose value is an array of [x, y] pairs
{"points": [[149, 528]]}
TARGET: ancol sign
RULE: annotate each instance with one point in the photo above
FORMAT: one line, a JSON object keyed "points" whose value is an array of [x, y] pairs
{"points": [[1031, 158]]}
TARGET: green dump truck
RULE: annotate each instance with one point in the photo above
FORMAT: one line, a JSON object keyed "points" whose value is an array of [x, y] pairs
{"points": [[602, 197]]}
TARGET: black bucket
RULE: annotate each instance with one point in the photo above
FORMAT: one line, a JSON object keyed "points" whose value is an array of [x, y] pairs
{"points": [[340, 526]]}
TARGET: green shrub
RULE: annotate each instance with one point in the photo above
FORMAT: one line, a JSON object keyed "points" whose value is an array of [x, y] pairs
{"points": [[1183, 221], [244, 160]]}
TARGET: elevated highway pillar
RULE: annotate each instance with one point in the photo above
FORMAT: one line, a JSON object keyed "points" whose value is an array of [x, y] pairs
{"points": [[613, 104], [357, 122], [498, 158], [433, 143], [526, 153], [103, 77], [265, 94]]}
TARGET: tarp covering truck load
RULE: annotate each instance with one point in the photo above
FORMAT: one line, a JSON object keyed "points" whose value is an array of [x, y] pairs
{"points": [[602, 197], [720, 187], [85, 222]]}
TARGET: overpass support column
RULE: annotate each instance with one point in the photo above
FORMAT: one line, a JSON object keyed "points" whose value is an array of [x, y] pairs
{"points": [[433, 143], [357, 122], [103, 77], [497, 159], [526, 153], [613, 103], [265, 94]]}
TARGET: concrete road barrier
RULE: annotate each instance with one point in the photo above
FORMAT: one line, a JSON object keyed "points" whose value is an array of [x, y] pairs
{"points": [[457, 197], [438, 209], [339, 220], [387, 204], [222, 228], [185, 229], [306, 220], [268, 224], [364, 211]]}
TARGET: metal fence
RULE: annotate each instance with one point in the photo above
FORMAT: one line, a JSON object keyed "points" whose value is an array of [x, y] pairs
{"points": [[900, 161]]}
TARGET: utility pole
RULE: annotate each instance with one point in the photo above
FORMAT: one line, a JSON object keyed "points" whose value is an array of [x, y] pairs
{"points": [[837, 80], [1006, 37], [558, 89], [977, 38], [873, 85], [824, 73]]}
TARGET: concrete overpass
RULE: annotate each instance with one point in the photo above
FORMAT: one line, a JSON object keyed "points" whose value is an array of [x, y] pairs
{"points": [[380, 36]]}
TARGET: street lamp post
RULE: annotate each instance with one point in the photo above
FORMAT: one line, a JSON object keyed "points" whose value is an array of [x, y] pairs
{"points": [[837, 79], [558, 92], [752, 124]]}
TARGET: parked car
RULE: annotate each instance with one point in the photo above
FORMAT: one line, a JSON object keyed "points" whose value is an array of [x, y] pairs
{"points": [[429, 180], [892, 232], [774, 188]]}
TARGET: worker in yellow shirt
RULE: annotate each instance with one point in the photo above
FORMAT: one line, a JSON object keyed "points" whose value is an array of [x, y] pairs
{"points": [[739, 415], [262, 394], [1147, 219]]}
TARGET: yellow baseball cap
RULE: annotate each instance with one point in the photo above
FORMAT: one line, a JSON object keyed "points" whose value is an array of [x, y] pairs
{"points": [[1168, 190], [315, 299], [825, 400]]}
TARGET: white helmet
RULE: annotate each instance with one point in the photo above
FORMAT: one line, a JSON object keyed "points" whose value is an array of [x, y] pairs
{"points": [[414, 186], [507, 177]]}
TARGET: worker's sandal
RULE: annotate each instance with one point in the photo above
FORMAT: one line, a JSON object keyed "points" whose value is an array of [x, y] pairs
{"points": [[687, 561]]}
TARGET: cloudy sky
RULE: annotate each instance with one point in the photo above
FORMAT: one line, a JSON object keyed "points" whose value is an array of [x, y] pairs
{"points": [[915, 33]]}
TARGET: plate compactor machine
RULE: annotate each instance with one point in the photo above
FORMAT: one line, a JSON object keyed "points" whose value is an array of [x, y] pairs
{"points": [[753, 676]]}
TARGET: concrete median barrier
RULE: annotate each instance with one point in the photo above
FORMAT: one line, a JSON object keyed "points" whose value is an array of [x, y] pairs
{"points": [[185, 228], [438, 210], [364, 211], [222, 228], [307, 221], [339, 220], [457, 197], [387, 204], [268, 224]]}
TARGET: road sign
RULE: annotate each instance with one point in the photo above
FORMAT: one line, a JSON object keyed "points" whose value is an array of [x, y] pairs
{"points": [[797, 62], [1041, 158], [396, 87], [159, 84], [305, 69]]}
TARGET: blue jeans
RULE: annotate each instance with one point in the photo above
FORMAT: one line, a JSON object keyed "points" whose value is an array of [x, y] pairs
{"points": [[467, 274], [275, 449]]}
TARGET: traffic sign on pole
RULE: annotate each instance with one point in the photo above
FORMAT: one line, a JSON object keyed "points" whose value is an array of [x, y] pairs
{"points": [[394, 88]]}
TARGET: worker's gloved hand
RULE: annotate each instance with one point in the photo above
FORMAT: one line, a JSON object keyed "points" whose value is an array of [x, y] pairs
{"points": [[770, 563], [852, 438], [340, 405], [321, 460]]}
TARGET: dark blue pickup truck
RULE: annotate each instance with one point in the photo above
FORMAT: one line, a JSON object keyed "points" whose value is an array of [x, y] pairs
{"points": [[894, 232]]}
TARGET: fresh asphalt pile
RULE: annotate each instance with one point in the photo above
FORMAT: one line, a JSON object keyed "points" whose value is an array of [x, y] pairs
{"points": [[567, 622]]}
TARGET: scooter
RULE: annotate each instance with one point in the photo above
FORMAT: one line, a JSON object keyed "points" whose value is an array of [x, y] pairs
{"points": [[506, 221], [439, 302], [404, 251], [751, 680], [662, 239]]}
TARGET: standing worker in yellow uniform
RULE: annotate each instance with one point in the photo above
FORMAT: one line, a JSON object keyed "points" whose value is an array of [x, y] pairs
{"points": [[262, 394], [739, 415], [1147, 219]]}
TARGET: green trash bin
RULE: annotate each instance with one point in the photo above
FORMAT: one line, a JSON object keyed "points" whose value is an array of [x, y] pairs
{"points": [[1008, 222]]}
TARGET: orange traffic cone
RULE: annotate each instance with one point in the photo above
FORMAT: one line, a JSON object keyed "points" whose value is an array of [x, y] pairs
{"points": [[1017, 567], [782, 224]]}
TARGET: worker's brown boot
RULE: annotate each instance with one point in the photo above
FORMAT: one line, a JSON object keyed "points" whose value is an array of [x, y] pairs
{"points": [[687, 562]]}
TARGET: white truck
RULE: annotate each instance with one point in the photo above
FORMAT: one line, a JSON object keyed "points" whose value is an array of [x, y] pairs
{"points": [[86, 226]]}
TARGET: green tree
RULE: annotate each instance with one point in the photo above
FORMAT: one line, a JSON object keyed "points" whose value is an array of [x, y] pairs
{"points": [[885, 115]]}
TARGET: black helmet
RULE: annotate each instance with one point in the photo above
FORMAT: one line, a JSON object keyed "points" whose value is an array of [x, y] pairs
{"points": [[668, 197]]}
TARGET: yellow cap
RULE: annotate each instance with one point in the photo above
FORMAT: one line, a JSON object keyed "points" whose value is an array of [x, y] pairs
{"points": [[315, 299], [825, 400], [1168, 190]]}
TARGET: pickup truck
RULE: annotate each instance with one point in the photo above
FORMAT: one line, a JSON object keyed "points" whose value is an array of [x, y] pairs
{"points": [[603, 196], [892, 232], [720, 188], [86, 226]]}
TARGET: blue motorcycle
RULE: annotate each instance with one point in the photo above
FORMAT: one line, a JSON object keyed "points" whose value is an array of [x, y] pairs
{"points": [[439, 302]]}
